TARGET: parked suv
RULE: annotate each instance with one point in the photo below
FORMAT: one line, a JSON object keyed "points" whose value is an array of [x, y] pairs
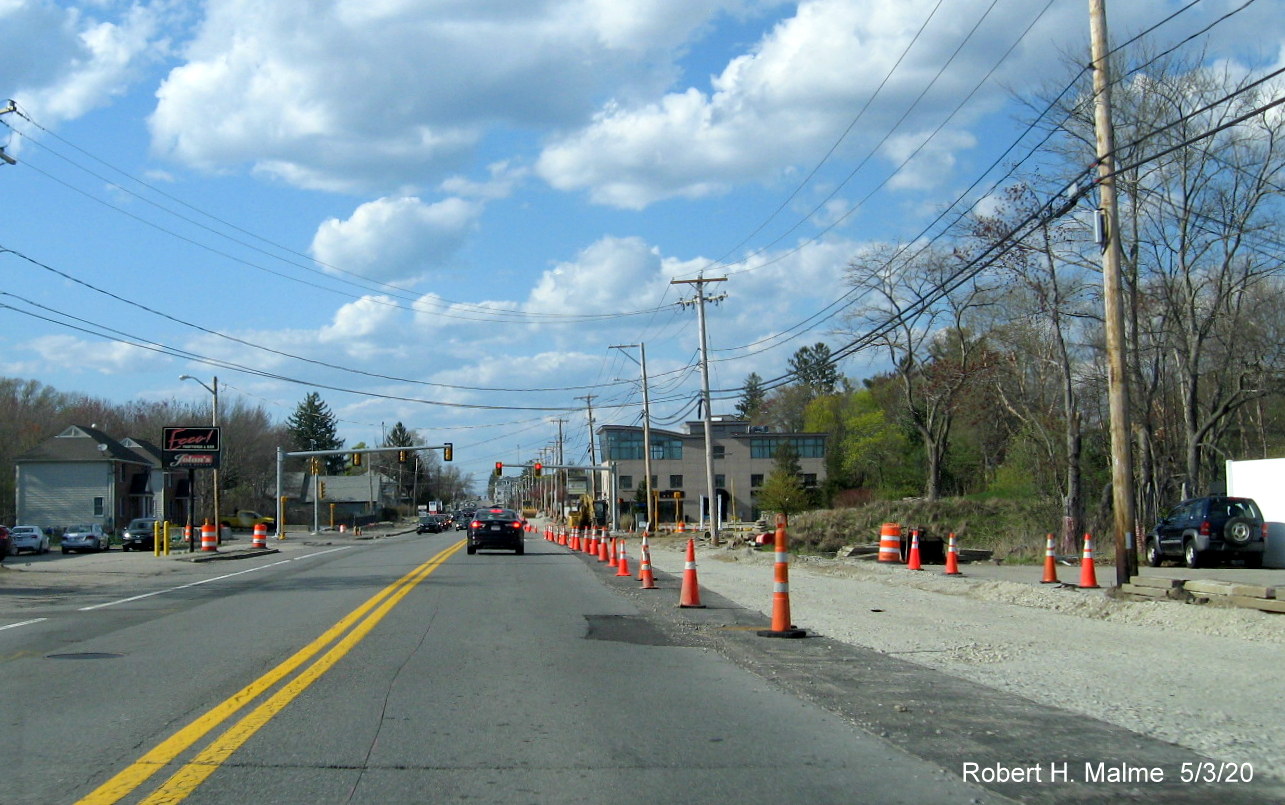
{"points": [[1199, 529]]}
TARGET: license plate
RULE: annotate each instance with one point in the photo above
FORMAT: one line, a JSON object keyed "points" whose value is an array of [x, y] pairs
{"points": [[495, 528]]}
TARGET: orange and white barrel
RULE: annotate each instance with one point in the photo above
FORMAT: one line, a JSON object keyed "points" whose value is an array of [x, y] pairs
{"points": [[890, 543]]}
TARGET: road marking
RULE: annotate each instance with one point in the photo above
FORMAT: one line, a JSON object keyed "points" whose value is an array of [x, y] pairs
{"points": [[189, 776], [207, 581], [22, 623]]}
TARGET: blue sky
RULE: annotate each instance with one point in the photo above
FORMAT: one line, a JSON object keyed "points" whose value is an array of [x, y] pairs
{"points": [[445, 213]]}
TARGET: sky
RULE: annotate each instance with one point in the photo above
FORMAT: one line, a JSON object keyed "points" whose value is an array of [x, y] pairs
{"points": [[446, 213]]}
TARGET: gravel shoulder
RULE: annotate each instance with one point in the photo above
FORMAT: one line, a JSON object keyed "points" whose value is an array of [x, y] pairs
{"points": [[1203, 677]]}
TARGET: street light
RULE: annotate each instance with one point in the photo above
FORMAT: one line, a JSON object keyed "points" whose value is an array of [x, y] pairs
{"points": [[214, 421]]}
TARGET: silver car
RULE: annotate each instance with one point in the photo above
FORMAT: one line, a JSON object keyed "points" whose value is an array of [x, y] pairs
{"points": [[85, 538], [29, 538]]}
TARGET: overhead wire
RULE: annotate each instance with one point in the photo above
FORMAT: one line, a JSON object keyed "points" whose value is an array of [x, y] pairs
{"points": [[838, 304], [417, 302]]}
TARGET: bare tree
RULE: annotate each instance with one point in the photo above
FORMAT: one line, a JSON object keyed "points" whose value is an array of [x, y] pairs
{"points": [[916, 305], [1046, 305]]}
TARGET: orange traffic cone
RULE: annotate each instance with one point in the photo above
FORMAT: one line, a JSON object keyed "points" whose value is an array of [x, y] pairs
{"points": [[952, 557], [690, 595], [622, 563], [644, 566], [613, 555], [914, 562], [602, 548], [781, 626], [1050, 564], [1088, 576]]}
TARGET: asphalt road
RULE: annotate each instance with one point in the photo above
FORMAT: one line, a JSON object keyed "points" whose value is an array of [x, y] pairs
{"points": [[487, 678], [400, 669]]}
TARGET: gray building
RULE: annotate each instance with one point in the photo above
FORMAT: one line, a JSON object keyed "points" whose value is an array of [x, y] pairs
{"points": [[744, 456], [82, 475]]}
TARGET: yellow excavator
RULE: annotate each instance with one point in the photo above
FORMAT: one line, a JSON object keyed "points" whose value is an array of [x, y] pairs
{"points": [[588, 512]]}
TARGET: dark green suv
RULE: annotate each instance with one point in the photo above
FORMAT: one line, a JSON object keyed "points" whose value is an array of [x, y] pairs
{"points": [[1202, 529]]}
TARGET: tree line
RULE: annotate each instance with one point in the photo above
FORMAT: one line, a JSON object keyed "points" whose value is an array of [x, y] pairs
{"points": [[31, 412], [993, 333]]}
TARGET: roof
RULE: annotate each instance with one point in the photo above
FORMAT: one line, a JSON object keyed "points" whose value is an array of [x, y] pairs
{"points": [[342, 488], [83, 443]]}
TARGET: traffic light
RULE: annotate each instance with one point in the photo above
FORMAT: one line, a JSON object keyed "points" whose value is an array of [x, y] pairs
{"points": [[538, 469], [401, 456], [323, 490], [448, 451], [499, 468], [356, 459]]}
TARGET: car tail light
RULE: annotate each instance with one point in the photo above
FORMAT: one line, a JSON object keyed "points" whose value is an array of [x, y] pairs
{"points": [[517, 524], [1205, 529], [475, 524]]}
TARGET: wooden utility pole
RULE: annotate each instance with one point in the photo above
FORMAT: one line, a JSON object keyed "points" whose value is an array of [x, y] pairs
{"points": [[1126, 563], [593, 454], [710, 498], [651, 497]]}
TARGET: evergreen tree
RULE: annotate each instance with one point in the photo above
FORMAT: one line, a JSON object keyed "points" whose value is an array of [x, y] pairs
{"points": [[312, 427], [814, 367], [405, 473], [750, 406]]}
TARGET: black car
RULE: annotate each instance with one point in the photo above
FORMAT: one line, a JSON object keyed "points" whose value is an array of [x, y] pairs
{"points": [[1200, 529], [496, 528], [429, 524], [139, 535]]}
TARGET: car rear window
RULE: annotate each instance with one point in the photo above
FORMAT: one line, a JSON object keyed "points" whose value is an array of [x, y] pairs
{"points": [[1242, 507]]}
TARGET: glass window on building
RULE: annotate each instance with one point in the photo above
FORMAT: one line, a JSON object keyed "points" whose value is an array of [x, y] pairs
{"points": [[805, 446], [626, 482], [627, 445], [756, 480], [98, 507], [809, 480], [720, 481], [719, 451], [675, 482]]}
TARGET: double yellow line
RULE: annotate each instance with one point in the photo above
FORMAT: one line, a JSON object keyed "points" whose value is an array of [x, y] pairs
{"points": [[191, 774]]}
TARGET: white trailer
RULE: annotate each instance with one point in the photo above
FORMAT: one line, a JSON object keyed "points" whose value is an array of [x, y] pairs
{"points": [[1264, 481]]}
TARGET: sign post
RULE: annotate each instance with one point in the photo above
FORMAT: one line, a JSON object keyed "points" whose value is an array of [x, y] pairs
{"points": [[190, 449]]}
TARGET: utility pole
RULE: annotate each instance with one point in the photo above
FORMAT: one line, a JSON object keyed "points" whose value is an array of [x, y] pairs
{"points": [[699, 302], [1126, 563], [593, 455], [560, 482], [651, 497]]}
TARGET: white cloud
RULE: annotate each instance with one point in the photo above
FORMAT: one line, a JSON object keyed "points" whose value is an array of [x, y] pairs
{"points": [[68, 352], [607, 276], [350, 94], [924, 161], [395, 240], [788, 100], [62, 62]]}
